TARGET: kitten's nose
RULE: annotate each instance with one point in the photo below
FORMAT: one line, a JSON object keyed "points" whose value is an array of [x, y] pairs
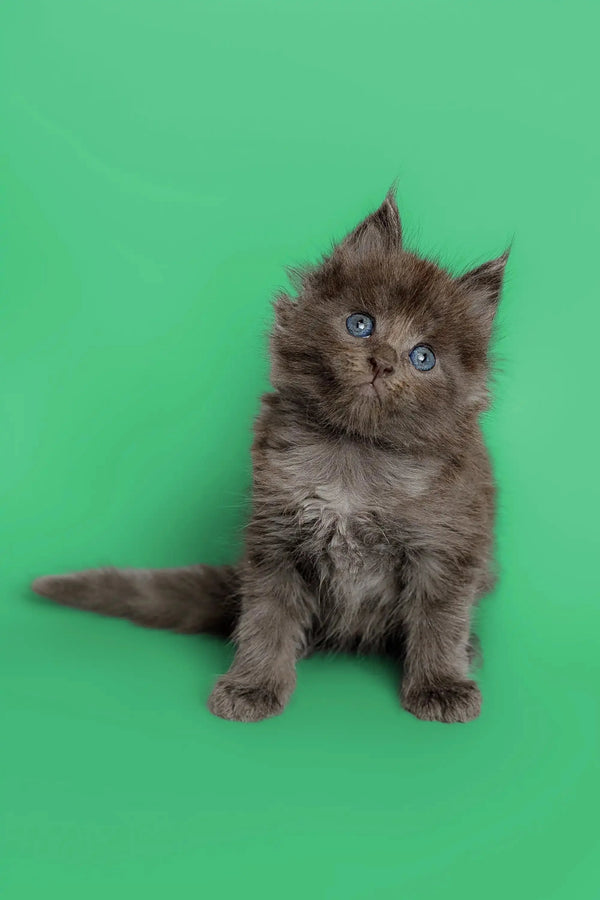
{"points": [[383, 361]]}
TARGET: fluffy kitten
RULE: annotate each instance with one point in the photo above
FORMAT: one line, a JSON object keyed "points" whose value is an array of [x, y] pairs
{"points": [[372, 513]]}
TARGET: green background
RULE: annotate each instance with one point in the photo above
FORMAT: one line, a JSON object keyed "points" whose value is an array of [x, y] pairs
{"points": [[162, 163]]}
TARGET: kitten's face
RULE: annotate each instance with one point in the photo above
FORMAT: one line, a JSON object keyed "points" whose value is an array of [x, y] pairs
{"points": [[383, 344]]}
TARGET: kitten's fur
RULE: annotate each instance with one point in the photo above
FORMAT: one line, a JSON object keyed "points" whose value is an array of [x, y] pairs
{"points": [[372, 513]]}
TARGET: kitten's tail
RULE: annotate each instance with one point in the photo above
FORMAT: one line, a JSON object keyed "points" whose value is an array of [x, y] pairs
{"points": [[192, 599]]}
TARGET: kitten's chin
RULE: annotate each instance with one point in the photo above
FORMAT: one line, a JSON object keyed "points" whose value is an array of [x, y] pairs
{"points": [[363, 413]]}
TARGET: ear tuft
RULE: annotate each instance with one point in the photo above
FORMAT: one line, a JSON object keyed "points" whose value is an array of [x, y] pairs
{"points": [[379, 232], [485, 282], [298, 275]]}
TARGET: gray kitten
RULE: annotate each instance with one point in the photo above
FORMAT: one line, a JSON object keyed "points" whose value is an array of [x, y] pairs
{"points": [[373, 498]]}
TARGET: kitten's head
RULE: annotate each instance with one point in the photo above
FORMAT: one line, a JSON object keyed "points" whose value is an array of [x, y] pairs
{"points": [[383, 344]]}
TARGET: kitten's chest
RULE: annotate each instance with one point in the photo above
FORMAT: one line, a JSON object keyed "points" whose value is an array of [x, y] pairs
{"points": [[341, 519], [350, 503], [335, 521], [350, 551], [349, 514]]}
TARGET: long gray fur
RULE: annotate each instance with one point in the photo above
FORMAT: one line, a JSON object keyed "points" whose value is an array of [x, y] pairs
{"points": [[373, 498]]}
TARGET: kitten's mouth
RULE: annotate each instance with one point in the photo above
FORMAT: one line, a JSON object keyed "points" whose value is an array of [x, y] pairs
{"points": [[373, 388]]}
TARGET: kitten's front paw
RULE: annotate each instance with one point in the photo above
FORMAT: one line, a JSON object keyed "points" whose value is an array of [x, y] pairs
{"points": [[455, 701], [242, 702]]}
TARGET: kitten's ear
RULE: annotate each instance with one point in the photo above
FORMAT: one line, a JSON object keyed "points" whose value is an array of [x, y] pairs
{"points": [[483, 286], [381, 231]]}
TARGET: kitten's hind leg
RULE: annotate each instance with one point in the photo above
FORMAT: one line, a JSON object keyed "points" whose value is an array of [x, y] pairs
{"points": [[474, 652], [270, 637]]}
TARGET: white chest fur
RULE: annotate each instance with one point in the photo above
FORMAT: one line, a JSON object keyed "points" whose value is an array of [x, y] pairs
{"points": [[341, 501], [339, 529]]}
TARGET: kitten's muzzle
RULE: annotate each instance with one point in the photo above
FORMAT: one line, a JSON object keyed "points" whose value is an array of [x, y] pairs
{"points": [[383, 362]]}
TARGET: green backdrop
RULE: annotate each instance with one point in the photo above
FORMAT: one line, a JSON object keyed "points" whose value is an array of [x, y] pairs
{"points": [[163, 162]]}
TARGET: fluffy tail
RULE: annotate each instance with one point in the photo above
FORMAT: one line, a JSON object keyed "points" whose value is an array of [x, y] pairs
{"points": [[193, 599]]}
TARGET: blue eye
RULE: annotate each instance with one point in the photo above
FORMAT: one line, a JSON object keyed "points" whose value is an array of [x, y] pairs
{"points": [[360, 325], [422, 357]]}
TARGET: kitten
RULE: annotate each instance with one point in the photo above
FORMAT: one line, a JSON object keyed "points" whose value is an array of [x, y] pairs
{"points": [[373, 499]]}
